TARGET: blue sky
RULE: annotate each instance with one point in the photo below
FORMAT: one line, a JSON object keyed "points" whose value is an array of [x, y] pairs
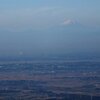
{"points": [[39, 13], [49, 26]]}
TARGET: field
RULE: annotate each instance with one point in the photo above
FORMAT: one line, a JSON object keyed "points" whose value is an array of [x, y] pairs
{"points": [[50, 80]]}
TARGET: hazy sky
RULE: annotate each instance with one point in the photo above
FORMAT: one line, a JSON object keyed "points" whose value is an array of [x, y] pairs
{"points": [[42, 27]]}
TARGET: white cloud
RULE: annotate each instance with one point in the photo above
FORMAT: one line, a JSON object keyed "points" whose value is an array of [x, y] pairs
{"points": [[68, 22]]}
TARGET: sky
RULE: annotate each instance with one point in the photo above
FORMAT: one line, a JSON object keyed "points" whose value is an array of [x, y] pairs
{"points": [[49, 27]]}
